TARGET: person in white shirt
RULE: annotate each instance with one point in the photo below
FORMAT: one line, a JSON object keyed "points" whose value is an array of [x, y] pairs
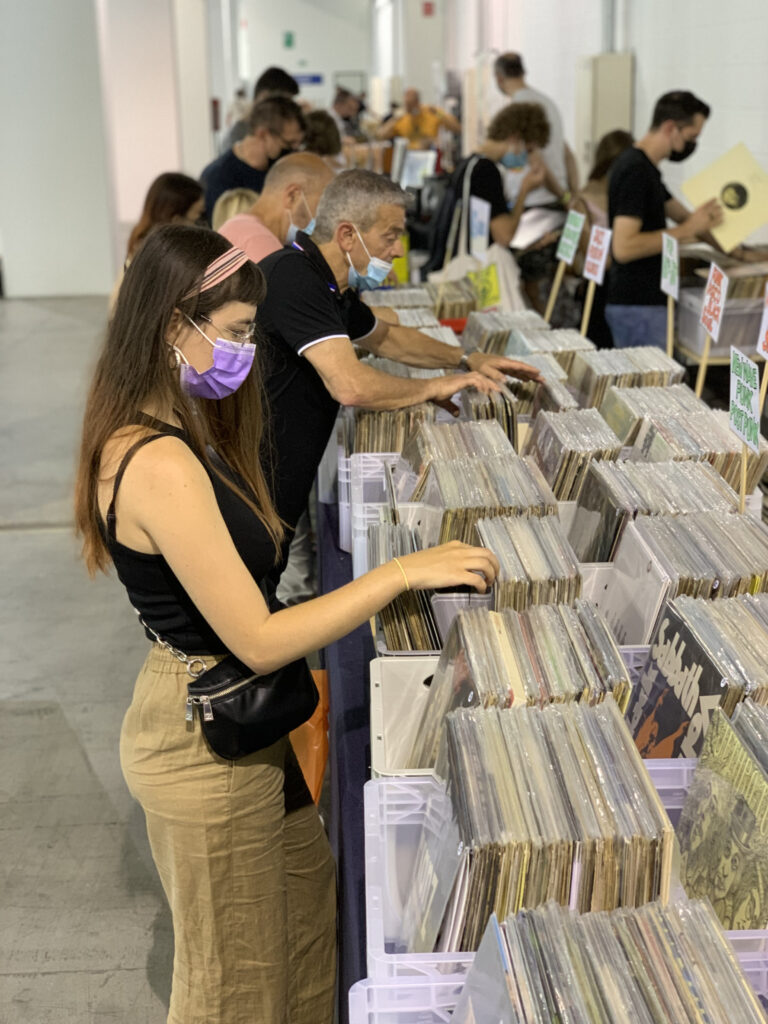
{"points": [[510, 78]]}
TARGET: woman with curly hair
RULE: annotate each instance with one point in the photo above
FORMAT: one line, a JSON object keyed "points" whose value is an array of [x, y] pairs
{"points": [[514, 140]]}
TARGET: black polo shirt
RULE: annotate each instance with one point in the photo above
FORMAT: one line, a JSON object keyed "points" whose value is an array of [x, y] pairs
{"points": [[635, 189], [303, 307]]}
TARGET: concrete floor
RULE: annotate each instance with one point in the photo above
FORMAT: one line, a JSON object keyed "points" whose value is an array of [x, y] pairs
{"points": [[85, 936]]}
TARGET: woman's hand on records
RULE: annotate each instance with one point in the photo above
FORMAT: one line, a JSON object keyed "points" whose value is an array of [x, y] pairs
{"points": [[498, 368], [450, 565]]}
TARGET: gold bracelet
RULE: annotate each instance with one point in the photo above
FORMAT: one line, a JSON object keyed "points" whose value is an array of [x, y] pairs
{"points": [[402, 570]]}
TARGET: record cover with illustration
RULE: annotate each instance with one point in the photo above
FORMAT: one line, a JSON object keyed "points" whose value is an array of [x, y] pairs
{"points": [[723, 830]]}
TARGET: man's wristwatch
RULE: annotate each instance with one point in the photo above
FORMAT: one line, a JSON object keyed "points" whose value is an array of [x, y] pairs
{"points": [[464, 361]]}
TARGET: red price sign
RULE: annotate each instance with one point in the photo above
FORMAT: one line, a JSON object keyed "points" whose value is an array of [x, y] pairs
{"points": [[714, 302], [597, 254], [762, 338]]}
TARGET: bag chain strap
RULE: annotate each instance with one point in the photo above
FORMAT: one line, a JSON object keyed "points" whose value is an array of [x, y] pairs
{"points": [[195, 666]]}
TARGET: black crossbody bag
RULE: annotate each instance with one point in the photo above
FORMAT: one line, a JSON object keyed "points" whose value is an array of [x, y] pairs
{"points": [[240, 711]]}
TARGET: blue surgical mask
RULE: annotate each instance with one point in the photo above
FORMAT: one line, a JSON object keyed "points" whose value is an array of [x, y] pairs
{"points": [[293, 230], [375, 274], [514, 161]]}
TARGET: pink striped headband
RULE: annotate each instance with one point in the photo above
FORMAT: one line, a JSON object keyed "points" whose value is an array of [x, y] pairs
{"points": [[219, 270]]}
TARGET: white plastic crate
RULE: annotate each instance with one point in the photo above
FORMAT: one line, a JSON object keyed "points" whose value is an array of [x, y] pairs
{"points": [[369, 496], [395, 810], [740, 325], [399, 689], [445, 608], [433, 1000]]}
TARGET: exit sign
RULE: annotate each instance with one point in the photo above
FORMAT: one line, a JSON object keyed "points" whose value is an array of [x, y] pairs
{"points": [[427, 8]]}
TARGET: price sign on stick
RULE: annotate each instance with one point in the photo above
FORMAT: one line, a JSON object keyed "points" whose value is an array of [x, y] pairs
{"points": [[762, 348], [744, 416], [570, 237], [714, 302], [670, 284], [711, 318], [670, 267], [762, 338], [594, 269], [597, 254], [566, 253]]}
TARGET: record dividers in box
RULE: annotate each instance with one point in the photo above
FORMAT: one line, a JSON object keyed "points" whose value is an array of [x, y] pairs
{"points": [[632, 595]]}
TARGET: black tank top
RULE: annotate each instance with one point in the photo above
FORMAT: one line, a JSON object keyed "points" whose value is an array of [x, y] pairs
{"points": [[153, 589]]}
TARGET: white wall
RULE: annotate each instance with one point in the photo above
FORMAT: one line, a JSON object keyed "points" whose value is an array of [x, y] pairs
{"points": [[54, 195], [330, 36], [193, 84]]}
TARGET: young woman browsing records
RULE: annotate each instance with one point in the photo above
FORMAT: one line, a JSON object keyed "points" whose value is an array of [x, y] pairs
{"points": [[172, 489]]}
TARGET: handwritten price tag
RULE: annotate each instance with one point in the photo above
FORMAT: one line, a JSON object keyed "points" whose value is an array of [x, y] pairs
{"points": [[597, 254], [570, 237], [744, 416], [670, 266], [714, 302], [762, 338]]}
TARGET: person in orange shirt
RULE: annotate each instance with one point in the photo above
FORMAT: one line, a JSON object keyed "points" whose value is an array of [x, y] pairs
{"points": [[419, 124]]}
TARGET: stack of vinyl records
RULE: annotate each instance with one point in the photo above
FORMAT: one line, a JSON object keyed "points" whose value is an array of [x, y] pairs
{"points": [[367, 430], [500, 406], [592, 373], [401, 298], [562, 344], [396, 369], [480, 436], [702, 435], [551, 804], [651, 965], [704, 654], [723, 828], [416, 317], [551, 653], [614, 493], [709, 554], [470, 489], [489, 332], [537, 563], [407, 622], [452, 300], [565, 443], [624, 409]]}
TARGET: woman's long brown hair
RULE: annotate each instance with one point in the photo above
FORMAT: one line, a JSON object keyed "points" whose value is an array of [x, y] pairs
{"points": [[135, 368], [170, 195]]}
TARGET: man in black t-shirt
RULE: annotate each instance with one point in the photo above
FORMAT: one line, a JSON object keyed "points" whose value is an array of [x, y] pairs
{"points": [[638, 208], [313, 313], [275, 128]]}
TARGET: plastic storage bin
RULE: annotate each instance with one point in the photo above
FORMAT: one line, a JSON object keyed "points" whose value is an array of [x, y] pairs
{"points": [[394, 812], [740, 325], [369, 496], [432, 1001], [399, 689]]}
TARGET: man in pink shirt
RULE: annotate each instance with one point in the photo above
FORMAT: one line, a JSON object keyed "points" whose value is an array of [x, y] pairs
{"points": [[287, 204]]}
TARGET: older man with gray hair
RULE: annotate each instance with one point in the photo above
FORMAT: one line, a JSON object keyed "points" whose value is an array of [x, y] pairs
{"points": [[313, 314]]}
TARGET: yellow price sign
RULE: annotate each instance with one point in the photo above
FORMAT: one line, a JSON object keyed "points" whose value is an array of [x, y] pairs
{"points": [[486, 285], [401, 264]]}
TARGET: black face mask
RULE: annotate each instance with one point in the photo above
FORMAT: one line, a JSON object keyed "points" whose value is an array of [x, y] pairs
{"points": [[682, 154]]}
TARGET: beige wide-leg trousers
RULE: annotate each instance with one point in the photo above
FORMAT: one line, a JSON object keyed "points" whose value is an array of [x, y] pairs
{"points": [[244, 862]]}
